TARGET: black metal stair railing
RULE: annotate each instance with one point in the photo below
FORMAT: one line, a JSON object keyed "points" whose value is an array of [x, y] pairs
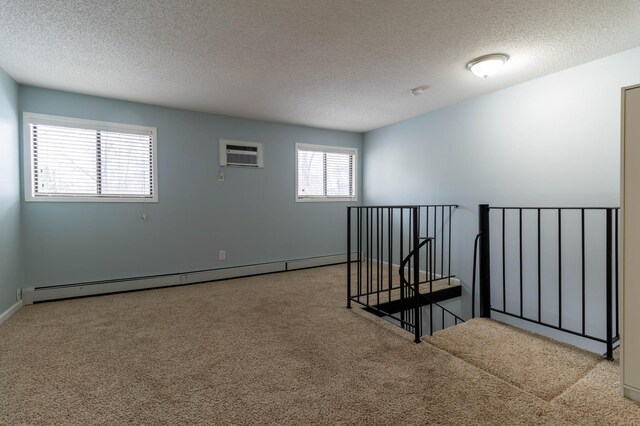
{"points": [[473, 275], [415, 290], [382, 243], [565, 257], [428, 297]]}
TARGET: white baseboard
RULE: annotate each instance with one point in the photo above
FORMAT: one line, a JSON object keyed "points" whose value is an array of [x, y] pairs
{"points": [[40, 294], [12, 310], [631, 393]]}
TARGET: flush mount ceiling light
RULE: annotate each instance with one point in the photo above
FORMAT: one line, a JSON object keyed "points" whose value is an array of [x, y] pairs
{"points": [[487, 65], [417, 91]]}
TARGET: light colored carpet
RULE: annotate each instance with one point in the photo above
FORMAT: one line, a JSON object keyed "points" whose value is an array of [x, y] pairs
{"points": [[273, 349], [532, 362], [599, 392]]}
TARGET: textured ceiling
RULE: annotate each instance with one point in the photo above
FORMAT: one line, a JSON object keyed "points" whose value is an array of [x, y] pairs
{"points": [[341, 64]]}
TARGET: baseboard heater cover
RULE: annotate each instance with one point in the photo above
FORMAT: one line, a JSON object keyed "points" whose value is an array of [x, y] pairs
{"points": [[313, 262], [32, 295]]}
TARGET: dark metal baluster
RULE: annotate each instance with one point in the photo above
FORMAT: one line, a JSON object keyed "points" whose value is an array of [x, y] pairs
{"points": [[473, 277], [349, 257], [427, 255], [539, 271], [484, 268], [560, 268], [609, 278], [390, 250], [449, 257], [382, 222], [369, 252], [504, 274], [521, 283], [410, 244], [416, 276], [359, 253], [426, 235], [435, 241], [412, 326], [430, 278], [381, 250], [378, 255], [441, 241], [584, 297], [402, 289]]}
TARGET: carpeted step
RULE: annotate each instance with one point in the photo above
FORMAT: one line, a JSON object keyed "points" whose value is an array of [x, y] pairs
{"points": [[531, 362], [599, 392]]}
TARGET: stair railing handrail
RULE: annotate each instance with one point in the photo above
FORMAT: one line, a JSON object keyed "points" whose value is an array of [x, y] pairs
{"points": [[408, 257], [416, 290]]}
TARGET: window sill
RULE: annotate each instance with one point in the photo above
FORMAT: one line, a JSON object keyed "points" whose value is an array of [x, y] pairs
{"points": [[83, 199], [325, 200]]}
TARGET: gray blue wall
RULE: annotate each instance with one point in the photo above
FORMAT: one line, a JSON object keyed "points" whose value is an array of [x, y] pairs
{"points": [[10, 227], [551, 141], [252, 214]]}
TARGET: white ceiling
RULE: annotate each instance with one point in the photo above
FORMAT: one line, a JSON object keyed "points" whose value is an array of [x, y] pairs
{"points": [[341, 64]]}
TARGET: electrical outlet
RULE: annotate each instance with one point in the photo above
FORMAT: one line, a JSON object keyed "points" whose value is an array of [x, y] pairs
{"points": [[222, 255], [220, 176]]}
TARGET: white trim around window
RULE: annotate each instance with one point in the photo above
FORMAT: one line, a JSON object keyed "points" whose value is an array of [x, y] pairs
{"points": [[88, 161], [328, 177]]}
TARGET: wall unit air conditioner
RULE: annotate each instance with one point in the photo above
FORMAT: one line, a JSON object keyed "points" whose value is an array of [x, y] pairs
{"points": [[240, 154]]}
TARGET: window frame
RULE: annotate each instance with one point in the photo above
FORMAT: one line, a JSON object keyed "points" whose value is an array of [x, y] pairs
{"points": [[29, 195], [327, 149]]}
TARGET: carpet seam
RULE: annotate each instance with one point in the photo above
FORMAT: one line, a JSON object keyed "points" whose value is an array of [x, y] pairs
{"points": [[563, 390], [398, 331], [578, 381], [513, 385], [405, 335], [554, 341]]}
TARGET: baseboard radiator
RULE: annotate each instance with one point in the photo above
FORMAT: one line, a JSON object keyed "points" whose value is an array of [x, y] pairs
{"points": [[32, 295]]}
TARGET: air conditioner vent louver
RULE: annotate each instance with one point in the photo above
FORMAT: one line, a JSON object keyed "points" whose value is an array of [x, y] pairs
{"points": [[240, 153]]}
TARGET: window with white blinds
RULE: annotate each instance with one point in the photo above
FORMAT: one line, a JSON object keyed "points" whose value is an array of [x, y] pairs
{"points": [[81, 160], [325, 173]]}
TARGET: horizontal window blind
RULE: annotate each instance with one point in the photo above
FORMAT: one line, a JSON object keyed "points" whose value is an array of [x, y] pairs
{"points": [[325, 172], [105, 162]]}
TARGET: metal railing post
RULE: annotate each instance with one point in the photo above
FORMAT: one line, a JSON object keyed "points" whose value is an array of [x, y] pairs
{"points": [[349, 257], [416, 275], [485, 262], [430, 278], [473, 276], [609, 278]]}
